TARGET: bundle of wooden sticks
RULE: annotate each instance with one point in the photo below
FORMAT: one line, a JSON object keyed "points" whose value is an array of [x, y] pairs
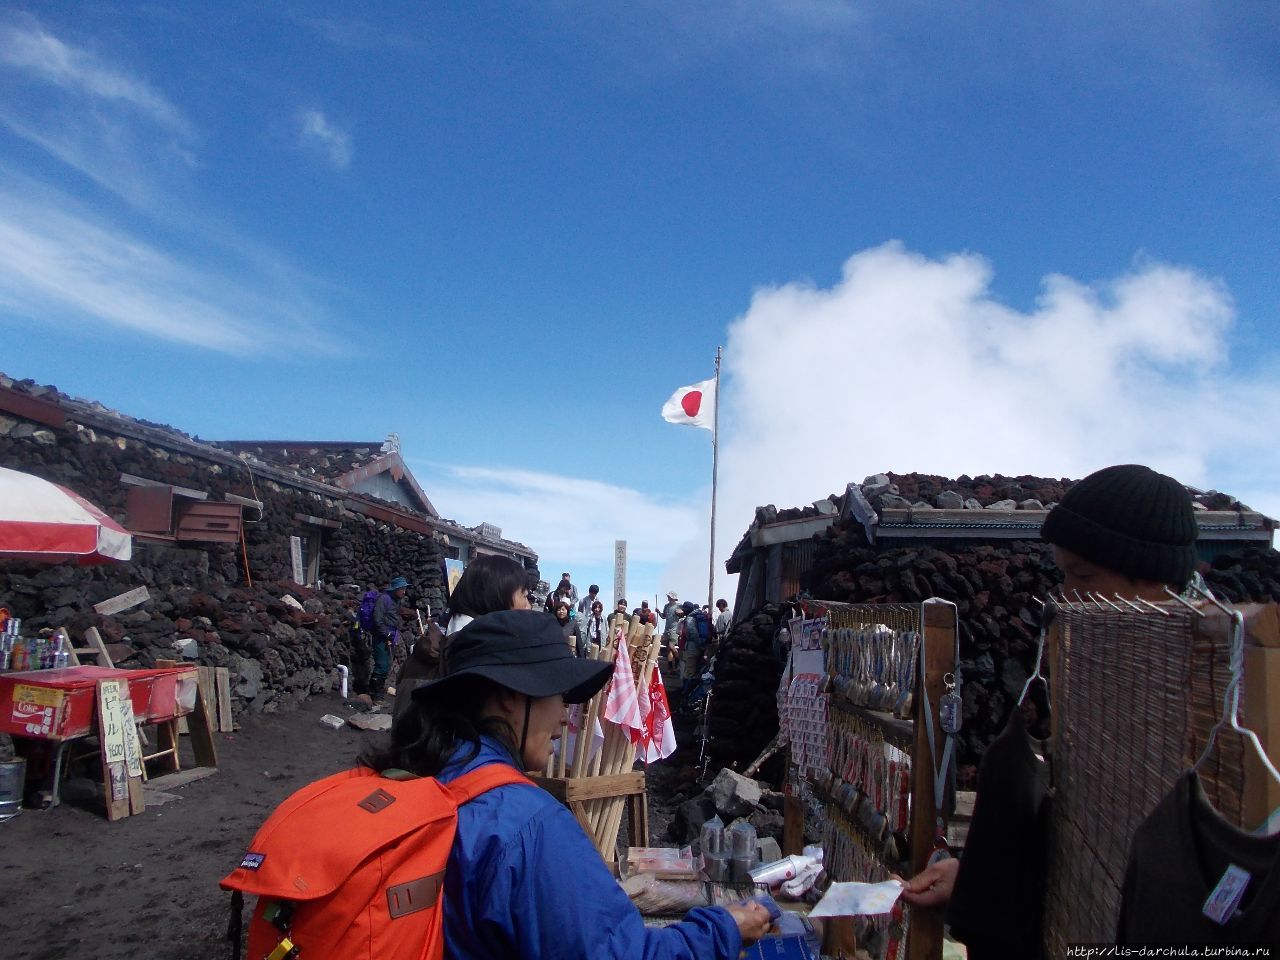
{"points": [[611, 765]]}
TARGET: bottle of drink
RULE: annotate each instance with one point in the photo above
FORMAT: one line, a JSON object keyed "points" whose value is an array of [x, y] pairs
{"points": [[19, 656]]}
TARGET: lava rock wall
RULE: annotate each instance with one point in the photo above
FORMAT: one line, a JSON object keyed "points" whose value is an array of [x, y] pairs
{"points": [[277, 654]]}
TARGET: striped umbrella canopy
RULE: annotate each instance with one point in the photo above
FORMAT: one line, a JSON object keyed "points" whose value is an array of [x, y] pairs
{"points": [[40, 520]]}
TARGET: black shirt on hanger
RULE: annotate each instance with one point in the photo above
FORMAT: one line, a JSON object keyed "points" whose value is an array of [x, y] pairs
{"points": [[997, 905], [1178, 857]]}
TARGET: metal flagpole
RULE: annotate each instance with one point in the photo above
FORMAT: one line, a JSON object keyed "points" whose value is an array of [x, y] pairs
{"points": [[715, 466]]}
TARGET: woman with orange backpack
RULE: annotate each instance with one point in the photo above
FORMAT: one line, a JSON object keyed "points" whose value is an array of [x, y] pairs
{"points": [[506, 890]]}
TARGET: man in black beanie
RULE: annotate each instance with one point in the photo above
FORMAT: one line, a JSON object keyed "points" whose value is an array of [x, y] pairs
{"points": [[1123, 530]]}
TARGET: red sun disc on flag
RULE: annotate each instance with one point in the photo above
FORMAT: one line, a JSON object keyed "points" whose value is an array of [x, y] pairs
{"points": [[691, 403]]}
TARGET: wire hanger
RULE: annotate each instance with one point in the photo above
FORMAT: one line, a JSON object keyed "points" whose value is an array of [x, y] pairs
{"points": [[1231, 699]]}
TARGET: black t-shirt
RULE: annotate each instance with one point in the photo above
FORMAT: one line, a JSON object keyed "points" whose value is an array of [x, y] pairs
{"points": [[997, 906], [1178, 856]]}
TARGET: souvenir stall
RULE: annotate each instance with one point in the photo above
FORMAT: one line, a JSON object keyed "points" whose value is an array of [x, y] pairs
{"points": [[1149, 702], [870, 704]]}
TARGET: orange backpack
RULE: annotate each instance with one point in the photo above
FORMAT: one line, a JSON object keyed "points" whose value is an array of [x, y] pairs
{"points": [[353, 866]]}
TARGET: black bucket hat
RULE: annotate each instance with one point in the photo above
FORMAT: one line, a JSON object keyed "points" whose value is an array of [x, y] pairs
{"points": [[522, 651]]}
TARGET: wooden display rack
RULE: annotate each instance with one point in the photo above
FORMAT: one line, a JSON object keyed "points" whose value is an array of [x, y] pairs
{"points": [[936, 623], [575, 792]]}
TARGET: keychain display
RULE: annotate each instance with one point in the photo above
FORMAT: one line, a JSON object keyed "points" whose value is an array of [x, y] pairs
{"points": [[847, 853], [873, 666], [871, 783]]}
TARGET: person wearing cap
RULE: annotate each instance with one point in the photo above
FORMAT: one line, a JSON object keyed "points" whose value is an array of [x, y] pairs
{"points": [[671, 626], [523, 879], [1123, 530], [386, 632]]}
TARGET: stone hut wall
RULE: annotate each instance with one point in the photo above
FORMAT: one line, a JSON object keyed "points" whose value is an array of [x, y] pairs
{"points": [[277, 654], [995, 586]]}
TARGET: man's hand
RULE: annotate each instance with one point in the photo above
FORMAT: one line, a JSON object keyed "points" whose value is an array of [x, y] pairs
{"points": [[752, 920], [932, 886]]}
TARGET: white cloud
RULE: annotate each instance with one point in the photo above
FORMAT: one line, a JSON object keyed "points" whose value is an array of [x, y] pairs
{"points": [[317, 132], [43, 56], [63, 265], [95, 117], [571, 522], [909, 363]]}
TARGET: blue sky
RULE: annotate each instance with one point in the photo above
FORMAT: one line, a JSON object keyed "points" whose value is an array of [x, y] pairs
{"points": [[935, 236]]}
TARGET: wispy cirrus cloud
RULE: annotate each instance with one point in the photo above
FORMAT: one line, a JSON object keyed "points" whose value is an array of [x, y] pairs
{"points": [[166, 266], [43, 56], [317, 133], [65, 266], [98, 118]]}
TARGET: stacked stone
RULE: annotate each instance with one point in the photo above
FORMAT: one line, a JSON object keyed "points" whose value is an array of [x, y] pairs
{"points": [[744, 709], [277, 653], [995, 589]]}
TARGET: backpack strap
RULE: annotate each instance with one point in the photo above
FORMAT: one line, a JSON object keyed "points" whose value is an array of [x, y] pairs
{"points": [[483, 779]]}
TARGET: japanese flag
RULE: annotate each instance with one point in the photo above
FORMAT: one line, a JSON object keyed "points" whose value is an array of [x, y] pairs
{"points": [[694, 405]]}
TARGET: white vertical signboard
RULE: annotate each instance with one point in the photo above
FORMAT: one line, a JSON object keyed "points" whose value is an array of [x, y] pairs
{"points": [[295, 558], [619, 570]]}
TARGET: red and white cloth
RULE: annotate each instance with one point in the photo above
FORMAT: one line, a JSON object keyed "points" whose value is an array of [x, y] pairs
{"points": [[694, 405], [40, 520], [659, 737], [621, 705]]}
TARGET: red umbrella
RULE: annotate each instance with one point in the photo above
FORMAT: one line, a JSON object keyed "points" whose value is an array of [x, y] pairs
{"points": [[40, 520]]}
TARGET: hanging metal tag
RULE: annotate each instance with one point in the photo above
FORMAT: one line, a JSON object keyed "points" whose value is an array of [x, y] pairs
{"points": [[950, 707]]}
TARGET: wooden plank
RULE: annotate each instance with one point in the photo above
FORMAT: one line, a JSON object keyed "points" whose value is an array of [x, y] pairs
{"points": [[200, 722], [638, 819], [122, 602], [121, 757], [95, 648], [792, 825], [924, 939], [171, 781], [578, 789], [223, 682]]}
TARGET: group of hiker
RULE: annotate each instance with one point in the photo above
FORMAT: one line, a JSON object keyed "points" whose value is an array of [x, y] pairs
{"points": [[689, 633]]}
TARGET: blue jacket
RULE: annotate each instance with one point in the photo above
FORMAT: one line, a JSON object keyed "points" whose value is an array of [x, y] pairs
{"points": [[525, 881]]}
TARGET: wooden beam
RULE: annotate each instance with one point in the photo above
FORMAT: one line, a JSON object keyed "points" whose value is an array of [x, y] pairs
{"points": [[122, 602], [576, 789], [924, 941]]}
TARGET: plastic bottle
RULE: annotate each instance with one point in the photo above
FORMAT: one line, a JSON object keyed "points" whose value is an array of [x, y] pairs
{"points": [[18, 659], [714, 854], [742, 851]]}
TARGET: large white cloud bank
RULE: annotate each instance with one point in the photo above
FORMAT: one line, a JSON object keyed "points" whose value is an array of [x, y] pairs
{"points": [[910, 363]]}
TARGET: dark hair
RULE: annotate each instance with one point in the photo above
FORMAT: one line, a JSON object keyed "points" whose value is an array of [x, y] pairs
{"points": [[444, 727], [722, 600], [594, 588], [487, 586], [597, 603]]}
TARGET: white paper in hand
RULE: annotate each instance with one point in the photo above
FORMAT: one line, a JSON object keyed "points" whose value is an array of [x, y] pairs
{"points": [[858, 899]]}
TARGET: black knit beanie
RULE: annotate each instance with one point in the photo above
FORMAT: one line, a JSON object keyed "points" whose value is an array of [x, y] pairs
{"points": [[1129, 519]]}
